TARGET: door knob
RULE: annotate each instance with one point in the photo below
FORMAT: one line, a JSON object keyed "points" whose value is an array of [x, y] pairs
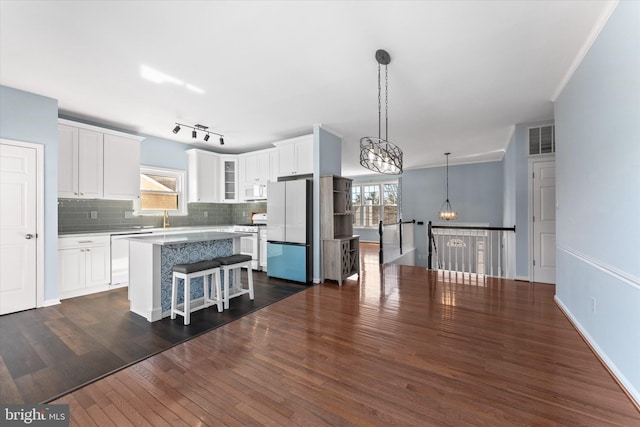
{"points": [[28, 236]]}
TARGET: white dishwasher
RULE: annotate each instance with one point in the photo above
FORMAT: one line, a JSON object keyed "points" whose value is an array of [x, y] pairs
{"points": [[120, 258]]}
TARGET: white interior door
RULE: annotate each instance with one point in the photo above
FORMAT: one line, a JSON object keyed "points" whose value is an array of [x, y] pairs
{"points": [[18, 228], [544, 221]]}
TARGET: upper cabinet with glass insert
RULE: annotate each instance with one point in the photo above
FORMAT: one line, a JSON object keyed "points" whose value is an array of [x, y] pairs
{"points": [[229, 169]]}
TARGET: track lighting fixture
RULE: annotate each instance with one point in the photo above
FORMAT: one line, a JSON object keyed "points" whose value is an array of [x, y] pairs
{"points": [[202, 128]]}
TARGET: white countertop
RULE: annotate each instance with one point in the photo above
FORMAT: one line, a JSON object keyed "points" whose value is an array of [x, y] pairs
{"points": [[187, 237], [144, 231]]}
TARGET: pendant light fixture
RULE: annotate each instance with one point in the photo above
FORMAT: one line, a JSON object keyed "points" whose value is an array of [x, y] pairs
{"points": [[446, 211], [377, 154]]}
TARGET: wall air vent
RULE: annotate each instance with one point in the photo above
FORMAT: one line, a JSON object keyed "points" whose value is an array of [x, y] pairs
{"points": [[542, 140]]}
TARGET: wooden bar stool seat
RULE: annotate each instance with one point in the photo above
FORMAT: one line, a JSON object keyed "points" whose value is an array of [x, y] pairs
{"points": [[235, 263], [186, 272]]}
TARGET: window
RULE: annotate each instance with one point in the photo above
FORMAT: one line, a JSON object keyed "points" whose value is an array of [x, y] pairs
{"points": [[161, 189], [374, 201]]}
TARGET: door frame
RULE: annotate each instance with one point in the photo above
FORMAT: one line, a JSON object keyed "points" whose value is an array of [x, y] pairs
{"points": [[534, 159], [40, 302]]}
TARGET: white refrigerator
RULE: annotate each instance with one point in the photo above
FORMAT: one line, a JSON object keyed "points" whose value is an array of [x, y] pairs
{"points": [[290, 230]]}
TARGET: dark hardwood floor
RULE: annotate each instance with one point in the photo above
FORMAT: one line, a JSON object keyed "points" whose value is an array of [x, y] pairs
{"points": [[47, 352], [396, 346]]}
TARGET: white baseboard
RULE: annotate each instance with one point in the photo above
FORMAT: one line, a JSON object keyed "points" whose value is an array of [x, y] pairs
{"points": [[631, 391], [522, 278], [50, 302]]}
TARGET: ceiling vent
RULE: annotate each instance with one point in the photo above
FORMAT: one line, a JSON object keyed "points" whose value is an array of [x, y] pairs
{"points": [[542, 140]]}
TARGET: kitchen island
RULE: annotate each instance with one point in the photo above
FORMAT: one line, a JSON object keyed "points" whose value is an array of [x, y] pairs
{"points": [[151, 261]]}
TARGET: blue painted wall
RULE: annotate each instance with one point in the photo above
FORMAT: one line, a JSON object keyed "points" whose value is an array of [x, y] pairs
{"points": [[329, 152], [163, 153], [598, 195], [516, 164], [33, 118], [475, 191], [327, 155]]}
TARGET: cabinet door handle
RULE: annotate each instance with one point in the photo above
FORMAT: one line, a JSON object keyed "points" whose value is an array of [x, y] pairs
{"points": [[28, 236], [85, 241]]}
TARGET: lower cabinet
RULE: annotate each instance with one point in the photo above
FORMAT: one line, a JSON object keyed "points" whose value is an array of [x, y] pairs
{"points": [[84, 265], [340, 258]]}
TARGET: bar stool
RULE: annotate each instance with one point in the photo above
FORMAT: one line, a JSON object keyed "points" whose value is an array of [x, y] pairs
{"points": [[230, 264], [186, 272]]}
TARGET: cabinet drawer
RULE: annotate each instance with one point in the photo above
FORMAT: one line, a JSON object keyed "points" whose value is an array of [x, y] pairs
{"points": [[83, 242]]}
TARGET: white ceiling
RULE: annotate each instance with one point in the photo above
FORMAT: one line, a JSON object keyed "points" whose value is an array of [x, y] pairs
{"points": [[462, 74]]}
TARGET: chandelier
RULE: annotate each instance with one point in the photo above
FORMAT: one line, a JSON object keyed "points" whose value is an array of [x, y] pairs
{"points": [[446, 211], [377, 154]]}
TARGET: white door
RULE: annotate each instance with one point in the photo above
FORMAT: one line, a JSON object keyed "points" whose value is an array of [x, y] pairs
{"points": [[544, 221], [18, 229]]}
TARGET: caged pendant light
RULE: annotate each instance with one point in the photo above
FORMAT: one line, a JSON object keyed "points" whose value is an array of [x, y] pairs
{"points": [[377, 154], [446, 211]]}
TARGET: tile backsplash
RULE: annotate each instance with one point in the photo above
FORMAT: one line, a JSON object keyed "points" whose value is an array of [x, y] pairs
{"points": [[93, 215]]}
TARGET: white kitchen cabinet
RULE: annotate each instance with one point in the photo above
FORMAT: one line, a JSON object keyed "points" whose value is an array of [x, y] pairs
{"points": [[248, 164], [84, 265], [295, 156], [255, 173], [96, 163], [264, 173], [204, 176], [121, 167], [274, 165], [229, 179], [80, 163], [67, 161]]}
